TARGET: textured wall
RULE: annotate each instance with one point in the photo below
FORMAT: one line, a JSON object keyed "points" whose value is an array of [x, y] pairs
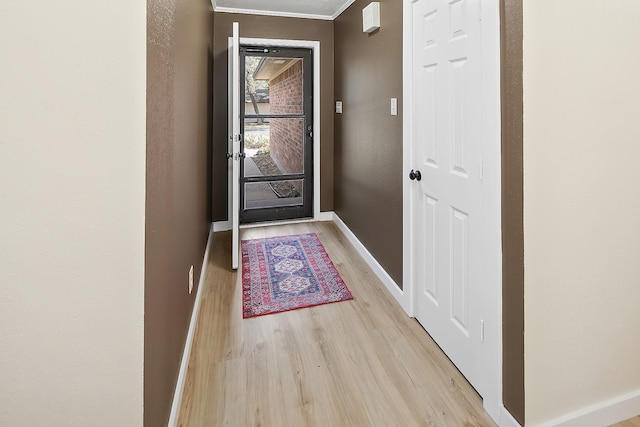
{"points": [[581, 204], [512, 196], [285, 91], [271, 28], [368, 140], [178, 186], [287, 135], [72, 172]]}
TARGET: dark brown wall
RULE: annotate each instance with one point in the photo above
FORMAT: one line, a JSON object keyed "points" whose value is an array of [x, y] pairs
{"points": [[178, 194], [512, 226], [368, 140], [368, 160], [271, 28]]}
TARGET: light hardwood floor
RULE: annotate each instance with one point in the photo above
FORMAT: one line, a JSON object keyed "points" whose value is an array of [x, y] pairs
{"points": [[633, 422], [352, 363]]}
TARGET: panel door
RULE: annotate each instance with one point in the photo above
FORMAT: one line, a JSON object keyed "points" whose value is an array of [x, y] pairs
{"points": [[446, 193]]}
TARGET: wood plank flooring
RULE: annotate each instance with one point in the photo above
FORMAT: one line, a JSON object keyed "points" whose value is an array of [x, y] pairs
{"points": [[632, 422], [352, 363]]}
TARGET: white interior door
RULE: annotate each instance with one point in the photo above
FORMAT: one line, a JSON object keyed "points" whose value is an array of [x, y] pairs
{"points": [[234, 141], [446, 187]]}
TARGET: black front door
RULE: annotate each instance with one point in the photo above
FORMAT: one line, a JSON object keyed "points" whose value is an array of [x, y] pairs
{"points": [[276, 174]]}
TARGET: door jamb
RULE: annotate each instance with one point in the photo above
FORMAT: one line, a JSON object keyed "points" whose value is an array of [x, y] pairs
{"points": [[491, 213], [315, 48]]}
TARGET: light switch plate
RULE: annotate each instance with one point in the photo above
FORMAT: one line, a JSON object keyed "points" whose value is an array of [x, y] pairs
{"points": [[394, 106], [339, 107]]}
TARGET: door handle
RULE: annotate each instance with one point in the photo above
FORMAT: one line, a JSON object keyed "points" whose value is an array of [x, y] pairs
{"points": [[415, 175]]}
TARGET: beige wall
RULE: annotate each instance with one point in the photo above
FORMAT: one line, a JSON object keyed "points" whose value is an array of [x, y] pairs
{"points": [[581, 204], [72, 188]]}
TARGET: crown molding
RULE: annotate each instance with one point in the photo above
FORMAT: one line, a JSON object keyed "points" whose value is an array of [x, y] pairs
{"points": [[282, 14], [342, 9], [271, 13]]}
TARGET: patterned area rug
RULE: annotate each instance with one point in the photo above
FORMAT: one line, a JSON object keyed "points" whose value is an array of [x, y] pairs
{"points": [[287, 273]]}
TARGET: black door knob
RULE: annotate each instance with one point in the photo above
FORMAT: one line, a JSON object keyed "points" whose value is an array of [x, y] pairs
{"points": [[415, 175]]}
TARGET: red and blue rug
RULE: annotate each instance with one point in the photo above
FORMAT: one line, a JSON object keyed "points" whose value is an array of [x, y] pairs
{"points": [[287, 273]]}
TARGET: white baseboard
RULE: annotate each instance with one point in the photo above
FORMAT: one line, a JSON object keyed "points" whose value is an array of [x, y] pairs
{"points": [[221, 226], [184, 364], [506, 419], [389, 283], [601, 414], [226, 225], [324, 216]]}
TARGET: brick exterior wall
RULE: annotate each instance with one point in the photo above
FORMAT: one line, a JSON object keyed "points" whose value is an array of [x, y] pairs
{"points": [[286, 138]]}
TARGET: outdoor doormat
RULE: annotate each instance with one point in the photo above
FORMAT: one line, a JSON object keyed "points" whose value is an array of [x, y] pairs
{"points": [[287, 273]]}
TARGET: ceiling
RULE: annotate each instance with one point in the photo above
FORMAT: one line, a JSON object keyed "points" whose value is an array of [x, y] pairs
{"points": [[319, 9], [268, 68]]}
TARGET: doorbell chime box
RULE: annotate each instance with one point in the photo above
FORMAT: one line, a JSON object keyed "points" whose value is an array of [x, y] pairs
{"points": [[371, 17]]}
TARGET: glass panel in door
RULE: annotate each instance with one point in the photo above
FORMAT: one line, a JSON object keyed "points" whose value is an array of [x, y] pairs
{"points": [[276, 174]]}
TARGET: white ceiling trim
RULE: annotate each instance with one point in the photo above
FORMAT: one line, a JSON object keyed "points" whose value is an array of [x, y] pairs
{"points": [[272, 13], [282, 14], [342, 9]]}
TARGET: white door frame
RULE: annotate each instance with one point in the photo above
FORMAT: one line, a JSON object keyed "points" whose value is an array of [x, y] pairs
{"points": [[491, 210], [315, 48], [234, 140]]}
